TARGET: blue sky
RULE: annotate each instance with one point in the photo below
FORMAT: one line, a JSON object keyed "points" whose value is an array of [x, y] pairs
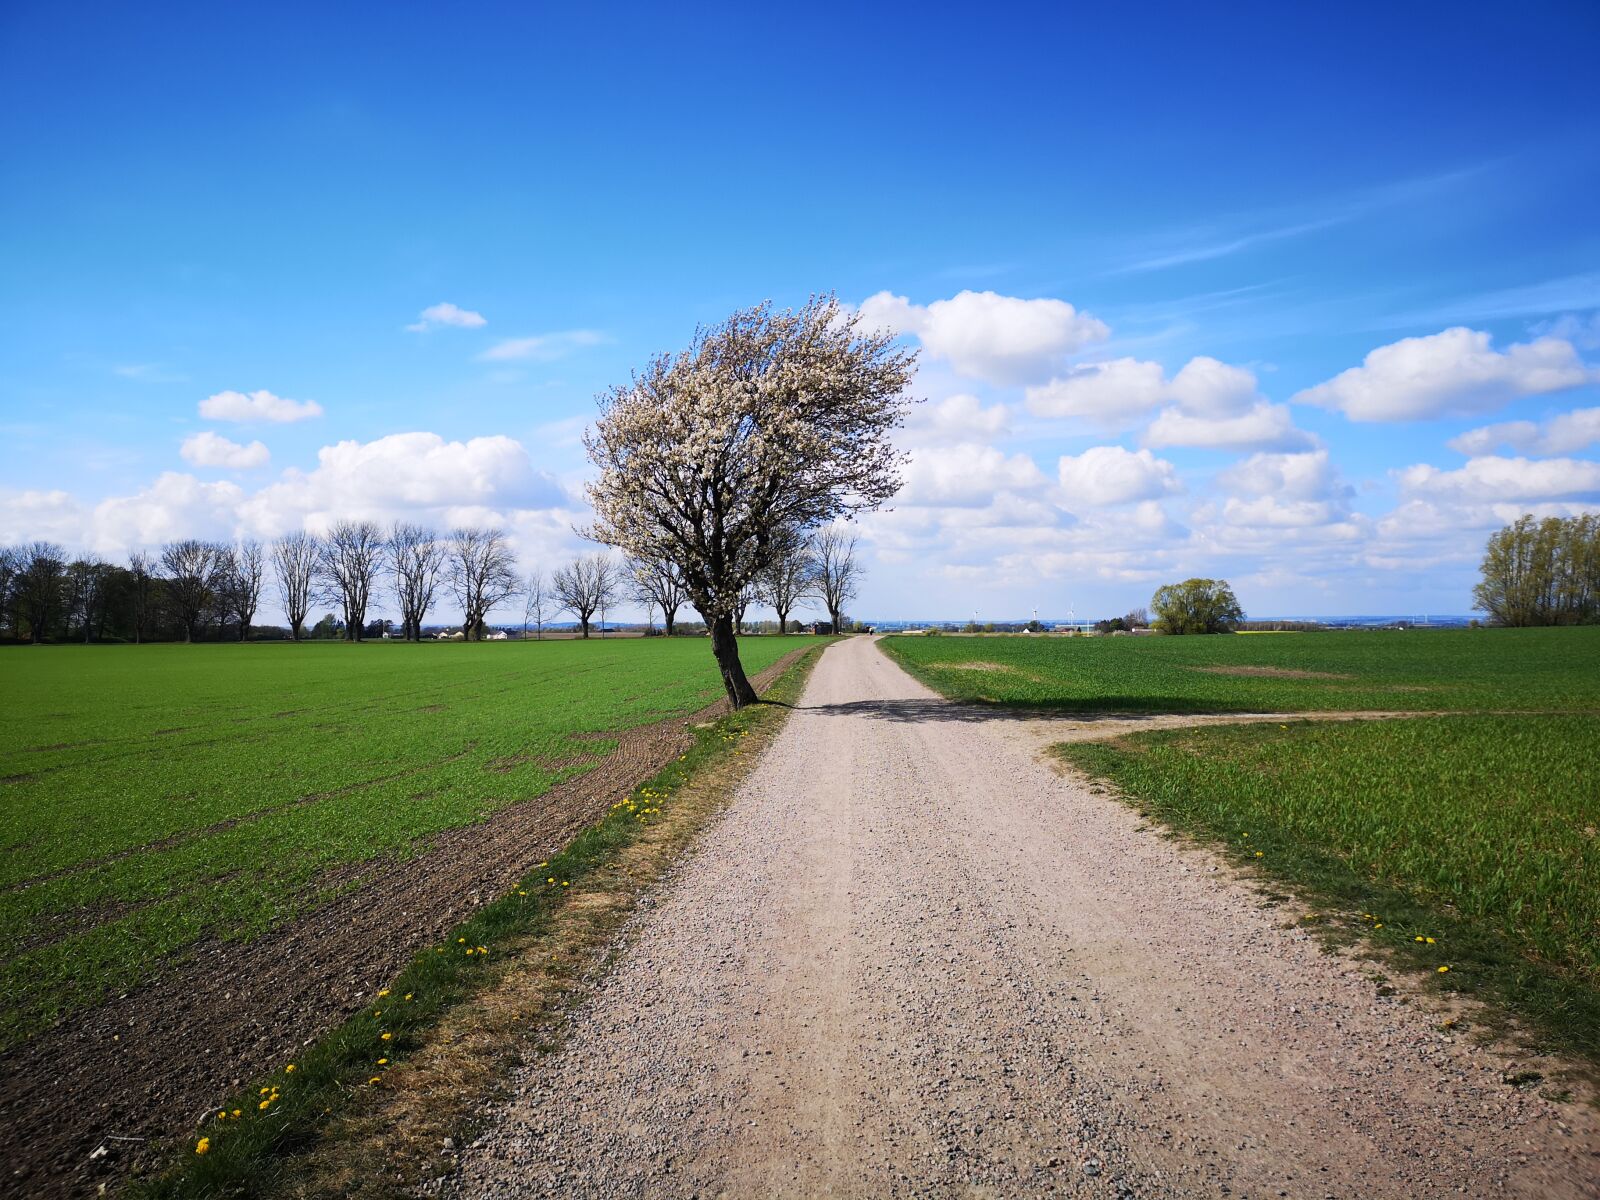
{"points": [[196, 203]]}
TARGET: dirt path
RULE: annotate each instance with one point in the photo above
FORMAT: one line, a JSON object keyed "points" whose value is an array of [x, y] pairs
{"points": [[912, 960]]}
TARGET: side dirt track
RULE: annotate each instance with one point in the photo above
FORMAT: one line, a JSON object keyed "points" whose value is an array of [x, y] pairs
{"points": [[89, 1100], [911, 959]]}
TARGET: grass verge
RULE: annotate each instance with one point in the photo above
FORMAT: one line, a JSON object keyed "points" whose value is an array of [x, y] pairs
{"points": [[366, 1110], [1464, 847]]}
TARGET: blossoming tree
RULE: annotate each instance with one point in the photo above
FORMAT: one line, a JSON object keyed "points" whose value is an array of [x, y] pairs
{"points": [[769, 425]]}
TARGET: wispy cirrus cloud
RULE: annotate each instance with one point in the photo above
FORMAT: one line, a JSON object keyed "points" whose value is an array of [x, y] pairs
{"points": [[149, 373], [1566, 295], [1235, 234], [543, 347]]}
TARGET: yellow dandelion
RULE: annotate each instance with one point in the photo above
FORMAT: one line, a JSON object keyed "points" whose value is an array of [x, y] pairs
{"points": [[483, 949], [1258, 854], [376, 1079], [237, 1113], [1442, 970], [263, 1091], [1428, 940], [264, 1103], [408, 995], [382, 992], [289, 1070], [223, 1115], [383, 1062], [202, 1145], [386, 1036]]}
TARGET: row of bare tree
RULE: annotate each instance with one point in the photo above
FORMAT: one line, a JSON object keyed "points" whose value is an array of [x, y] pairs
{"points": [[203, 585]]}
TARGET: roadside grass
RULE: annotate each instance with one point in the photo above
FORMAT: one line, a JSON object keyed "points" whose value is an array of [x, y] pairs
{"points": [[155, 796], [365, 1109], [1481, 833], [1412, 671]]}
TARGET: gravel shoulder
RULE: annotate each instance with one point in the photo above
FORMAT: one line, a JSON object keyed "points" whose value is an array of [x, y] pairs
{"points": [[911, 959]]}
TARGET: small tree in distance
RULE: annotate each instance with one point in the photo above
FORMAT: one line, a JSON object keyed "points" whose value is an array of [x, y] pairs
{"points": [[787, 580], [586, 586], [657, 585], [771, 422], [294, 562], [1196, 606], [483, 575], [835, 572], [536, 601]]}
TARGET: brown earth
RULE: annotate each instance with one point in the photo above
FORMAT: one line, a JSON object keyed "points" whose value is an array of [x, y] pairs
{"points": [[913, 960], [1272, 673], [89, 1100]]}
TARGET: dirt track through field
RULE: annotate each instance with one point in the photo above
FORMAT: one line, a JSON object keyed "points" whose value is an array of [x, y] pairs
{"points": [[911, 959]]}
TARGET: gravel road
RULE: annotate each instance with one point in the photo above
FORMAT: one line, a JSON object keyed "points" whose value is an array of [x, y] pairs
{"points": [[911, 959]]}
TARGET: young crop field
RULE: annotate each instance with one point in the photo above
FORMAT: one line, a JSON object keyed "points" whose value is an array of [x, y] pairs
{"points": [[1411, 671], [157, 798]]}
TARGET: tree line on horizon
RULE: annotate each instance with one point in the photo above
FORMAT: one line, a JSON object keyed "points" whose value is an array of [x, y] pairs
{"points": [[193, 590]]}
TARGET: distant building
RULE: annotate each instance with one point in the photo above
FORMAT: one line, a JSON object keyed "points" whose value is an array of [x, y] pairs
{"points": [[822, 628]]}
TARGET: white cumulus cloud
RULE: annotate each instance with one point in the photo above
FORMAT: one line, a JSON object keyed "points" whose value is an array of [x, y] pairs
{"points": [[436, 315], [987, 336], [1209, 403], [1566, 433], [1456, 372], [257, 406], [1306, 476], [959, 418], [1113, 394], [1264, 427], [1491, 479], [1105, 475], [209, 449], [966, 475]]}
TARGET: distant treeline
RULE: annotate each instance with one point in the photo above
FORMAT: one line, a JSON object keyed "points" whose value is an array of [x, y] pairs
{"points": [[1542, 572], [194, 590]]}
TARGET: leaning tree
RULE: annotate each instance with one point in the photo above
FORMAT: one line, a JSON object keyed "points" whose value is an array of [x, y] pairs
{"points": [[773, 422]]}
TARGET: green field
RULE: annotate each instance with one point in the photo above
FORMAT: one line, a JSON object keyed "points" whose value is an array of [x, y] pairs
{"points": [[157, 795], [1411, 671], [1476, 829]]}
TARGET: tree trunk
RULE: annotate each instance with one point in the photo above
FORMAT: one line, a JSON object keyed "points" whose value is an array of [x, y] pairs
{"points": [[583, 623], [669, 619], [725, 646], [783, 621], [838, 625]]}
